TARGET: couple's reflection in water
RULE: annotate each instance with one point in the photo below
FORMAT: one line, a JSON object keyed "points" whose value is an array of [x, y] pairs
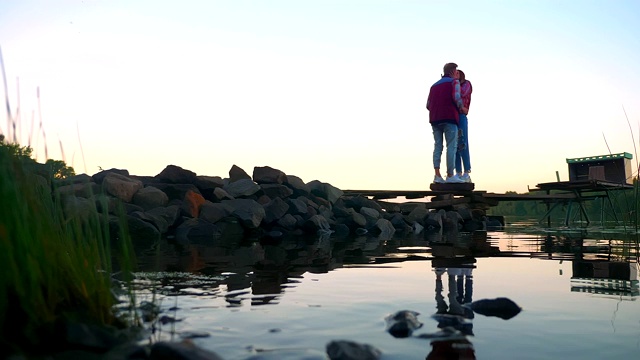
{"points": [[453, 264]]}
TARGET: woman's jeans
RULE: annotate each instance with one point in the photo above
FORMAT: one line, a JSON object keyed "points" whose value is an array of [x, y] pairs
{"points": [[462, 155], [450, 133]]}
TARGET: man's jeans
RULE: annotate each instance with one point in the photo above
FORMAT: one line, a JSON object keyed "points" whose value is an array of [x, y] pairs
{"points": [[450, 133], [462, 157]]}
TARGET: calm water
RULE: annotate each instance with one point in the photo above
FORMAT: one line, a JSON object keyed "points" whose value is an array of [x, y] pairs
{"points": [[292, 298]]}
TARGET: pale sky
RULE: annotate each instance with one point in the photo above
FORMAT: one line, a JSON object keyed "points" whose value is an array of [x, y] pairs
{"points": [[326, 90]]}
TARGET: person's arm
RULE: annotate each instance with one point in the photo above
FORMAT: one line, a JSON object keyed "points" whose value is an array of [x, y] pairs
{"points": [[457, 97]]}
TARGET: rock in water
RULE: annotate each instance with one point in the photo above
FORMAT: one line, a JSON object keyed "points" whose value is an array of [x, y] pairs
{"points": [[349, 350], [403, 323], [501, 307]]}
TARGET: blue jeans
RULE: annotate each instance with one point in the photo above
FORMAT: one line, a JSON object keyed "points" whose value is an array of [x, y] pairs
{"points": [[462, 156], [450, 133]]}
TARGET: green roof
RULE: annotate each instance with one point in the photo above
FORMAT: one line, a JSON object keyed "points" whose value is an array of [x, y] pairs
{"points": [[624, 155]]}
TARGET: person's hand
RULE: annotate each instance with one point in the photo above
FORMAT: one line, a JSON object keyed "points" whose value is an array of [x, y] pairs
{"points": [[464, 110]]}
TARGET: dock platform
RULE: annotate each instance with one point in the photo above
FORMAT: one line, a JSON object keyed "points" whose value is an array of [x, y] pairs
{"points": [[553, 194]]}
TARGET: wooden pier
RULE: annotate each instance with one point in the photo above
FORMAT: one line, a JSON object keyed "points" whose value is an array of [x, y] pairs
{"points": [[553, 194]]}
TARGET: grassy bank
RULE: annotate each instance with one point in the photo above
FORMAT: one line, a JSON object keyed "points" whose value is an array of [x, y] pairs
{"points": [[56, 267]]}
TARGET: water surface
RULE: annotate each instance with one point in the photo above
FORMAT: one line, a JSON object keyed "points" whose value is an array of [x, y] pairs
{"points": [[578, 291]]}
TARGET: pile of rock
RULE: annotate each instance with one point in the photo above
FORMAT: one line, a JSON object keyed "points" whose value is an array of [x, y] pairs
{"points": [[178, 203]]}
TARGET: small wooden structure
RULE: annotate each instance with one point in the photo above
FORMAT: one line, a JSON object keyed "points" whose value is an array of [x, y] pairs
{"points": [[613, 168]]}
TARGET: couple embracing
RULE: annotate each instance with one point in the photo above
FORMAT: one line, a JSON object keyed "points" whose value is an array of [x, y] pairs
{"points": [[448, 105]]}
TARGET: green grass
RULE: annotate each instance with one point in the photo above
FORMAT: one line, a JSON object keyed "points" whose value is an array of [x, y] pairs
{"points": [[54, 267]]}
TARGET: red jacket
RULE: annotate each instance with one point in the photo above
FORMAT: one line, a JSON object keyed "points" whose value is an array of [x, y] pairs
{"points": [[444, 101]]}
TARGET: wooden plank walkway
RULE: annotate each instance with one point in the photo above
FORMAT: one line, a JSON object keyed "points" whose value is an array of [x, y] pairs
{"points": [[553, 194]]}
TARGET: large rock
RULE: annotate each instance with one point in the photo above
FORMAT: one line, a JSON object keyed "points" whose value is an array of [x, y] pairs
{"points": [[170, 213], [268, 175], [299, 187], [418, 215], [99, 177], [242, 188], [78, 208], [385, 229], [199, 230], [275, 210], [236, 173], [350, 350], [220, 194], [150, 197], [176, 175], [84, 190], [297, 207], [121, 186], [276, 190], [192, 202], [360, 201], [248, 211], [208, 184], [140, 229], [371, 216], [176, 191], [184, 350], [288, 222], [214, 212], [155, 219], [316, 223], [501, 307], [325, 191]]}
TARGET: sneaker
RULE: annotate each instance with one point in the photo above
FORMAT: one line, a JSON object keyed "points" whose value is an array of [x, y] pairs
{"points": [[438, 180], [466, 177], [455, 179]]}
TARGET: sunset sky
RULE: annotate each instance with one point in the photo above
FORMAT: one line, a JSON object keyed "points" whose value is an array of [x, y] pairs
{"points": [[326, 90]]}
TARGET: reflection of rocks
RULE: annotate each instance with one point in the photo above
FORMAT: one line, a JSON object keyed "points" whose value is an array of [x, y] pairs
{"points": [[268, 202]]}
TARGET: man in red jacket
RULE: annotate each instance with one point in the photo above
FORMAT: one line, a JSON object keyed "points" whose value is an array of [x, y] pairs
{"points": [[444, 105]]}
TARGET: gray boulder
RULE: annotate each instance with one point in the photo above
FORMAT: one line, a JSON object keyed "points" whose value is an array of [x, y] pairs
{"points": [[198, 230], [350, 350], [156, 220], [242, 188], [220, 194], [121, 186], [370, 215], [275, 210], [268, 175], [288, 222], [99, 177], [325, 191], [173, 174], [176, 191], [297, 207], [84, 190], [299, 187], [276, 190], [170, 213], [77, 208], [236, 173], [184, 350], [418, 214], [316, 223], [384, 229], [214, 212], [248, 211], [142, 230], [150, 197]]}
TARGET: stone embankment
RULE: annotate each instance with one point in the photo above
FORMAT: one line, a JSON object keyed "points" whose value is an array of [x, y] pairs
{"points": [[269, 204]]}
